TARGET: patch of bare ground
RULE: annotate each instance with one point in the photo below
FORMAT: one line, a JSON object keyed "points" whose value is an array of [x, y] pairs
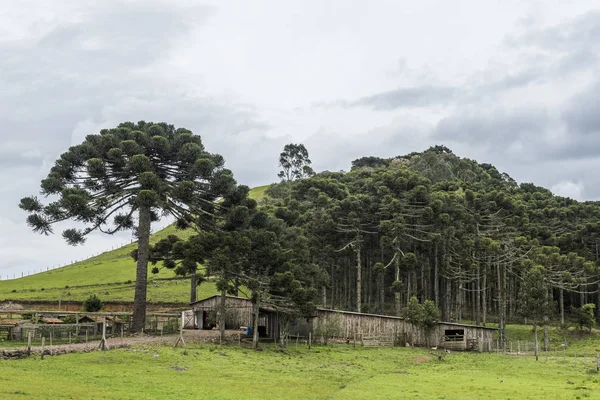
{"points": [[421, 359]]}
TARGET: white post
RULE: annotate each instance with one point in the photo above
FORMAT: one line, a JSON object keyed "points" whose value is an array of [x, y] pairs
{"points": [[181, 331], [28, 342], [103, 345]]}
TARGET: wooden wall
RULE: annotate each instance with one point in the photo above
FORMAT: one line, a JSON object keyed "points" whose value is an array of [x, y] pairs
{"points": [[352, 325], [239, 310]]}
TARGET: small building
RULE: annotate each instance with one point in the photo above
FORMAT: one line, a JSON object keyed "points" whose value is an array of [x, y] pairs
{"points": [[350, 325], [239, 312], [8, 328]]}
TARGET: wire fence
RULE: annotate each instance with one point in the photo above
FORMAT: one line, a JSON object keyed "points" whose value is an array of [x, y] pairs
{"points": [[88, 329]]}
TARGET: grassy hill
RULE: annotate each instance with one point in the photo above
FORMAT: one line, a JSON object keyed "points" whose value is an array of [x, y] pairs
{"points": [[110, 275]]}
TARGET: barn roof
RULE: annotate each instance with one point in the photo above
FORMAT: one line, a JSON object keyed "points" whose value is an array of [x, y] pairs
{"points": [[467, 325], [8, 322], [218, 295], [400, 318], [50, 320]]}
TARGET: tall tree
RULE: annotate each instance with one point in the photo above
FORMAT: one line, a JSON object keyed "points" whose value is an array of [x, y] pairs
{"points": [[126, 178], [295, 163], [533, 296]]}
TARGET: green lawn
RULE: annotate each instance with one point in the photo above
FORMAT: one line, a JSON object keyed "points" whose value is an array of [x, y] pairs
{"points": [[212, 372], [112, 272]]}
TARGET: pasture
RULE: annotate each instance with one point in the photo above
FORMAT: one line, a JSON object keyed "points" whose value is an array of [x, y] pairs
{"points": [[340, 372]]}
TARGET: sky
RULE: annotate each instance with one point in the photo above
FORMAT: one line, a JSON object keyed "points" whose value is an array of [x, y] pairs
{"points": [[511, 83]]}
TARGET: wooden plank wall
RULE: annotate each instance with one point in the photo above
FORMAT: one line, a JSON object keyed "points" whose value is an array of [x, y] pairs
{"points": [[357, 325], [239, 310]]}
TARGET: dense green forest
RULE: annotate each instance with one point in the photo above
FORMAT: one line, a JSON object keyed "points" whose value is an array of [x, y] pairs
{"points": [[447, 229]]}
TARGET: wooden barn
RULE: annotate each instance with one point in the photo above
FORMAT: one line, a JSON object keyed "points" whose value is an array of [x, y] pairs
{"points": [[341, 325], [357, 326], [238, 314]]}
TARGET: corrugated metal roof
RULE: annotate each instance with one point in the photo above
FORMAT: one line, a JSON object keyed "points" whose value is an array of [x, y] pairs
{"points": [[218, 295], [394, 317], [8, 322], [50, 320]]}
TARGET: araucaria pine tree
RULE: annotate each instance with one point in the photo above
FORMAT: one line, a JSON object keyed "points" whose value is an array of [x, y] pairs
{"points": [[126, 178]]}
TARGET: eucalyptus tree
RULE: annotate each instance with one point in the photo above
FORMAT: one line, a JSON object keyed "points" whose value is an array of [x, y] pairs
{"points": [[126, 178], [295, 163]]}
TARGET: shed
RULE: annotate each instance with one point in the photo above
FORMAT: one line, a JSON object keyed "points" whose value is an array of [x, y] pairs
{"points": [[7, 328], [349, 325], [239, 313]]}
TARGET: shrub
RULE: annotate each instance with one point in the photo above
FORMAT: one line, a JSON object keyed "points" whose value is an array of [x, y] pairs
{"points": [[92, 304]]}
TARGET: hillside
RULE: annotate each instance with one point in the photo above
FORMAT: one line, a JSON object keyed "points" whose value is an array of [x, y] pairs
{"points": [[111, 275]]}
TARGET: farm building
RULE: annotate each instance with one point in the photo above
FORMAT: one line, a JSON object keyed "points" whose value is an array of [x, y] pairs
{"points": [[345, 325], [8, 328], [350, 325], [239, 313]]}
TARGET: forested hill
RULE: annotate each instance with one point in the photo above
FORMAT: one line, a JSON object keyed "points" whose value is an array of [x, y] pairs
{"points": [[448, 229]]}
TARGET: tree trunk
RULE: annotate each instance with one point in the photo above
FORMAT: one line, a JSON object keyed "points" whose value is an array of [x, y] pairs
{"points": [[193, 287], [501, 321], [141, 273], [381, 305], [546, 319], [256, 297], [478, 298], [561, 302], [236, 287], [484, 298], [324, 296], [222, 315], [358, 280], [536, 339], [436, 285], [397, 293]]}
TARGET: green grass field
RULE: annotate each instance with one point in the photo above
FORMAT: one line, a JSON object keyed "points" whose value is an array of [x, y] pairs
{"points": [[341, 372], [110, 275]]}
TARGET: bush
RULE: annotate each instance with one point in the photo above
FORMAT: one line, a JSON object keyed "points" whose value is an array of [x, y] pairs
{"points": [[92, 304], [585, 316], [329, 328]]}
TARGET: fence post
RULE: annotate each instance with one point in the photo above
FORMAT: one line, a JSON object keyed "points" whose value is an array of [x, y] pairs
{"points": [[597, 363], [309, 339], [50, 342], [103, 345], [181, 331], [28, 342], [43, 342], [518, 346]]}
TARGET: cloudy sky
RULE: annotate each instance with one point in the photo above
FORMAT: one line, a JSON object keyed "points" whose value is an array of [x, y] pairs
{"points": [[513, 83]]}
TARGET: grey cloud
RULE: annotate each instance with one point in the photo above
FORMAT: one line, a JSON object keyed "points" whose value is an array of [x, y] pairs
{"points": [[335, 151], [408, 97], [582, 112], [495, 127], [581, 32], [573, 43]]}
